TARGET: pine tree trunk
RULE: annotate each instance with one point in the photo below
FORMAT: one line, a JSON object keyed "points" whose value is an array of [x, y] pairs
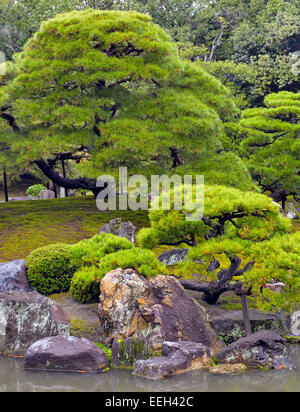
{"points": [[5, 185]]}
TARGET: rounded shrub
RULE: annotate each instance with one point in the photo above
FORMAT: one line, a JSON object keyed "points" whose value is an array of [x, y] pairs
{"points": [[35, 190], [85, 285], [50, 269]]}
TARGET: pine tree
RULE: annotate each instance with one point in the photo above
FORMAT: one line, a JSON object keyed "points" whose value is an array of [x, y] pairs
{"points": [[267, 138], [110, 88]]}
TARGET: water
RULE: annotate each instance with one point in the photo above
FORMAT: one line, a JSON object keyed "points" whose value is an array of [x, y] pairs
{"points": [[14, 379]]}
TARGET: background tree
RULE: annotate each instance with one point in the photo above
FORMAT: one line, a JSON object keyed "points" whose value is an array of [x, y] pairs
{"points": [[268, 138]]}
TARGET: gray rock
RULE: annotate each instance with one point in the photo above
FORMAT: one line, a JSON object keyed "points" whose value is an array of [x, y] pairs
{"points": [[117, 228], [292, 212], [126, 352], [26, 318], [13, 277], [264, 349], [177, 357], [295, 323], [173, 257], [230, 325], [65, 353], [47, 194]]}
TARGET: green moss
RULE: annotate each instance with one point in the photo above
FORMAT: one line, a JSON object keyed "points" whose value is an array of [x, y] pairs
{"points": [[234, 302], [26, 226], [81, 328], [293, 340]]}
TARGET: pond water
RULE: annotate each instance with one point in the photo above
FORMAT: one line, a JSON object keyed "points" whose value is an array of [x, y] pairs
{"points": [[14, 379]]}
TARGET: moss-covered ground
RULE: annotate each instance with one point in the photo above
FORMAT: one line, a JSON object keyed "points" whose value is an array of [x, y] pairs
{"points": [[25, 226]]}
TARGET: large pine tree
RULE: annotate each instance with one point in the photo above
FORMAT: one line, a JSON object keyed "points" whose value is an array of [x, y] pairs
{"points": [[109, 88]]}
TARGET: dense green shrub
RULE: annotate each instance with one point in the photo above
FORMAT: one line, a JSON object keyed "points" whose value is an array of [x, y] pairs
{"points": [[50, 269], [90, 251], [35, 190], [85, 285]]}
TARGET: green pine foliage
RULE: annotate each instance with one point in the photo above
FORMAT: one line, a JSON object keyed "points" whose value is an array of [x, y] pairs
{"points": [[275, 260], [228, 212], [85, 285], [89, 252], [267, 138], [113, 82]]}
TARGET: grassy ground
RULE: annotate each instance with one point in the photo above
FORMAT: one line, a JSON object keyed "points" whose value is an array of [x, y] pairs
{"points": [[25, 226]]}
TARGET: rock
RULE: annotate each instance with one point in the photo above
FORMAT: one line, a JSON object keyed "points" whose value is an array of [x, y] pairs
{"points": [[227, 369], [177, 357], [173, 257], [46, 195], [21, 199], [292, 212], [13, 277], [65, 353], [117, 228], [156, 310], [295, 323], [229, 325], [264, 349], [126, 352], [26, 318]]}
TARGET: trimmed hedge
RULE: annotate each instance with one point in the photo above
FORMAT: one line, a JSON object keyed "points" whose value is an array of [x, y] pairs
{"points": [[50, 269], [85, 285]]}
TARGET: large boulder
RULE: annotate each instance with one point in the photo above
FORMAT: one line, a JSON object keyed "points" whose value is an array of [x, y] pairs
{"points": [[118, 228], [173, 257], [13, 277], [26, 318], [177, 357], [264, 349], [65, 353], [157, 310]]}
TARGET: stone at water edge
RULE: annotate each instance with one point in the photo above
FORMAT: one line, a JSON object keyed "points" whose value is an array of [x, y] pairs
{"points": [[264, 349], [118, 228], [156, 310], [66, 353], [177, 358], [26, 318], [13, 277]]}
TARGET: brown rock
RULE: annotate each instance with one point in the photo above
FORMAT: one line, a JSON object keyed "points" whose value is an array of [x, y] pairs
{"points": [[157, 310], [65, 353]]}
